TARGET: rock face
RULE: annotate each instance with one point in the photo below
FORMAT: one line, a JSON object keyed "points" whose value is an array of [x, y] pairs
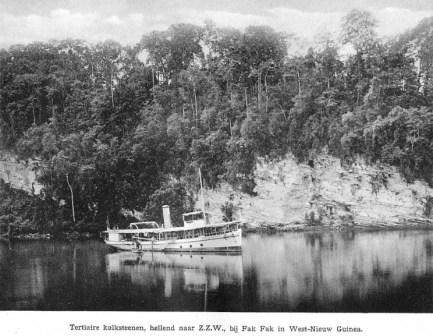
{"points": [[325, 192], [20, 174], [320, 192]]}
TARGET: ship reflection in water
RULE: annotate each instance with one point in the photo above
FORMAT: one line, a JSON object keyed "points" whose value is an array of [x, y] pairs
{"points": [[345, 272], [174, 273]]}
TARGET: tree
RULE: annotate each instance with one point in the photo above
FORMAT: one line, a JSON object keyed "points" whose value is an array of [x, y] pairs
{"points": [[173, 50], [357, 29]]}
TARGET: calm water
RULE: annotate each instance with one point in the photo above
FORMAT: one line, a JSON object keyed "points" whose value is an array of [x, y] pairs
{"points": [[306, 272]]}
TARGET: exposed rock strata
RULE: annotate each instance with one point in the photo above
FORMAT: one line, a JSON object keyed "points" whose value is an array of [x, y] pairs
{"points": [[19, 174], [326, 193], [293, 193]]}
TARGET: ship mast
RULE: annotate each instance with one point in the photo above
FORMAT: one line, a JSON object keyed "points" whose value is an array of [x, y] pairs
{"points": [[201, 193]]}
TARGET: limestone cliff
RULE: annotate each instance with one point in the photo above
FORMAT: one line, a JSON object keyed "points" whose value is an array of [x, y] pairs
{"points": [[19, 174], [321, 192], [325, 192]]}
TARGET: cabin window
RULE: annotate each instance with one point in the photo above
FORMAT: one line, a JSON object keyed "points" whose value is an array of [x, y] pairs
{"points": [[143, 225], [193, 217], [154, 235]]}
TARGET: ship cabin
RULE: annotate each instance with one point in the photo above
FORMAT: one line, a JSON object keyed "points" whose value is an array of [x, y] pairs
{"points": [[119, 235], [195, 224], [195, 219], [178, 233], [143, 225]]}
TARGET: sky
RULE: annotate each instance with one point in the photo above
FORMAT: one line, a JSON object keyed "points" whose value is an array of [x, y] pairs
{"points": [[24, 21]]}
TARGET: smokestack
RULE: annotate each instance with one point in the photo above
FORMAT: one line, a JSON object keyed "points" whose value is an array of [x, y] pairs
{"points": [[166, 215]]}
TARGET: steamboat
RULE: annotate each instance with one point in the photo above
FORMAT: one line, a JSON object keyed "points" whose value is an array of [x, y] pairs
{"points": [[196, 235]]}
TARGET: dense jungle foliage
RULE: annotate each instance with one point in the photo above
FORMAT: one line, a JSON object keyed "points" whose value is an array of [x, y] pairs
{"points": [[128, 127]]}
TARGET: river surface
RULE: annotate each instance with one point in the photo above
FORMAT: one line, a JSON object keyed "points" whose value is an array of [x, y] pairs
{"points": [[299, 272]]}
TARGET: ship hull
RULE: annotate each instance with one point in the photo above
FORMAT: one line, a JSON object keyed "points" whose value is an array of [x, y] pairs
{"points": [[231, 241]]}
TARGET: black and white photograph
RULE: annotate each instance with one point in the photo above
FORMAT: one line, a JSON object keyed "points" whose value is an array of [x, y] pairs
{"points": [[216, 156]]}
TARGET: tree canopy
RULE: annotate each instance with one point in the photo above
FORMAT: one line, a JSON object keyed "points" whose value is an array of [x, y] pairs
{"points": [[114, 132]]}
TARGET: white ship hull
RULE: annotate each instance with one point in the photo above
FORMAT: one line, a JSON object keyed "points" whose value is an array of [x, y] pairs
{"points": [[231, 241]]}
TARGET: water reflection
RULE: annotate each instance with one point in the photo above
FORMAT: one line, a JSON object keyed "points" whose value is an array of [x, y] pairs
{"points": [[320, 269], [378, 271], [38, 275], [192, 273]]}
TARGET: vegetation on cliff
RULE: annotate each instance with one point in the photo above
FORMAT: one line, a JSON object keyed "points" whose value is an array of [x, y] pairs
{"points": [[127, 127]]}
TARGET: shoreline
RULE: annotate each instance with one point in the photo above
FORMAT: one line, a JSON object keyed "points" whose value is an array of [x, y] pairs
{"points": [[262, 228], [64, 236], [402, 224]]}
